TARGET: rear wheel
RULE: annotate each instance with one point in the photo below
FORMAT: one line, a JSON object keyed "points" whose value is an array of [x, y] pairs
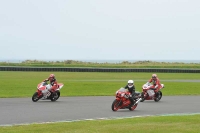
{"points": [[158, 97], [116, 105], [35, 97], [55, 96]]}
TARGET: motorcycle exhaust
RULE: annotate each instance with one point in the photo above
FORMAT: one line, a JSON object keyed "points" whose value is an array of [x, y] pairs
{"points": [[138, 101]]}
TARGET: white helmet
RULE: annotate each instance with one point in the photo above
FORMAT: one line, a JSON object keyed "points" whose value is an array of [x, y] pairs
{"points": [[130, 83]]}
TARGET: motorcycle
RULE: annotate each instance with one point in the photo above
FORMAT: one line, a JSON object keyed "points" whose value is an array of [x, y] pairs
{"points": [[122, 100], [149, 94], [43, 92]]}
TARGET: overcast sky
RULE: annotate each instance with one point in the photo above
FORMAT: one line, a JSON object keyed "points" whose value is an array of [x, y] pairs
{"points": [[100, 29]]}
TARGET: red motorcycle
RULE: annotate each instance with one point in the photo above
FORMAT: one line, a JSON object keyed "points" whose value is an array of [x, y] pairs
{"points": [[149, 94], [44, 93], [122, 100]]}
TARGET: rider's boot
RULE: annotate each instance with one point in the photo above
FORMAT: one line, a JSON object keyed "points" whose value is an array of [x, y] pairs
{"points": [[142, 95], [156, 94], [132, 102], [53, 92]]}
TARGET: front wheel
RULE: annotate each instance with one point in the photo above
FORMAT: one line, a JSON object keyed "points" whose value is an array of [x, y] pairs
{"points": [[158, 96], [55, 96], [116, 105], [35, 97]]}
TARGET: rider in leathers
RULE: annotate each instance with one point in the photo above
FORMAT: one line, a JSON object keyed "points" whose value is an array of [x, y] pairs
{"points": [[131, 88], [156, 83], [53, 82]]}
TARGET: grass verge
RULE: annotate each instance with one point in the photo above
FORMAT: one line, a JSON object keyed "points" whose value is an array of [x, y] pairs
{"points": [[23, 84], [150, 124]]}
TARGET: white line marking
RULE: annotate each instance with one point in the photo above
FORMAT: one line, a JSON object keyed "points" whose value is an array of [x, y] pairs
{"points": [[111, 118]]}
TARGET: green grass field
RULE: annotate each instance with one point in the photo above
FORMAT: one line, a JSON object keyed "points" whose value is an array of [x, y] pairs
{"points": [[150, 124], [23, 84]]}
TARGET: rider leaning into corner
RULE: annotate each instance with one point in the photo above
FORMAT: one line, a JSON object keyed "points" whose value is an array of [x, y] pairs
{"points": [[53, 82], [131, 88], [156, 83]]}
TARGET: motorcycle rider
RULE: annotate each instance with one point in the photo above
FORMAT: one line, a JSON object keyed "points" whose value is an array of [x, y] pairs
{"points": [[53, 83], [156, 83], [131, 88]]}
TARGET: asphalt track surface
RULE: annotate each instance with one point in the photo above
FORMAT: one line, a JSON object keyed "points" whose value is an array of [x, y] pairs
{"points": [[14, 111]]}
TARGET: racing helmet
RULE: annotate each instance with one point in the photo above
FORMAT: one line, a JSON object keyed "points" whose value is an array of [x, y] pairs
{"points": [[51, 77], [154, 76], [130, 83]]}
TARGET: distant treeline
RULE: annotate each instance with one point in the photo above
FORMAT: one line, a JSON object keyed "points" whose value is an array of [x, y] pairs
{"points": [[93, 64], [88, 62]]}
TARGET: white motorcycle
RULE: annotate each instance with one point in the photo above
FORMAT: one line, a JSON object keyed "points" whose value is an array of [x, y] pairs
{"points": [[43, 92]]}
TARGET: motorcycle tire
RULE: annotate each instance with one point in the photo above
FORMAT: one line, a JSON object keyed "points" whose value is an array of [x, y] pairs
{"points": [[55, 97], [116, 105], [35, 97], [159, 96]]}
